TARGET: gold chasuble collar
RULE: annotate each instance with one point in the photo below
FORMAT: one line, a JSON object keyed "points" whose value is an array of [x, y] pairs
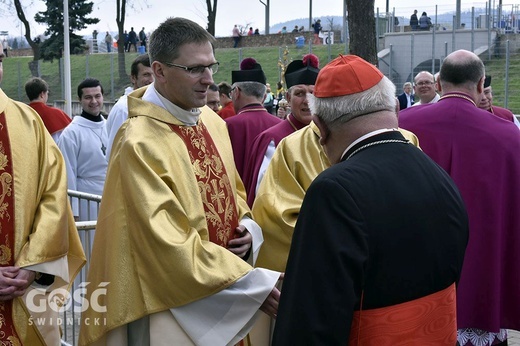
{"points": [[214, 185], [7, 330]]}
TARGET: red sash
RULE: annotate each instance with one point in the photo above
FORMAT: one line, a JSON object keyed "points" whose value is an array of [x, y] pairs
{"points": [[427, 321], [214, 185], [7, 328]]}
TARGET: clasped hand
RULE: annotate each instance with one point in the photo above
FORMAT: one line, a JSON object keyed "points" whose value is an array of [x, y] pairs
{"points": [[14, 281], [241, 245]]}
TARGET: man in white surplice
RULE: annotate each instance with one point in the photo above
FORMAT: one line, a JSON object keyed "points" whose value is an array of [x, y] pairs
{"points": [[175, 239], [140, 75], [83, 144]]}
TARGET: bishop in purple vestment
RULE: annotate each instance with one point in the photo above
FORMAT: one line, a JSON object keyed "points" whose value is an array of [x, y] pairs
{"points": [[300, 77], [486, 103], [248, 93], [480, 152]]}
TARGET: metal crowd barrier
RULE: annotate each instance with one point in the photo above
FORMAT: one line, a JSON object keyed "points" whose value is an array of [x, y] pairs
{"points": [[71, 317]]}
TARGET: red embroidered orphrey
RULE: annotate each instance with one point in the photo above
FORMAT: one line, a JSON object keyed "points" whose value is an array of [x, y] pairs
{"points": [[7, 330], [214, 185]]}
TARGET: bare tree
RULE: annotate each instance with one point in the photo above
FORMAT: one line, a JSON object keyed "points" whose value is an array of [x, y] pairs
{"points": [[35, 44], [331, 26], [243, 29], [330, 21], [212, 15], [362, 29], [120, 20]]}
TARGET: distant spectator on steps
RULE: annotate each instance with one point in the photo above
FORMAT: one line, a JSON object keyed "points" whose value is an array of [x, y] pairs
{"points": [[414, 21], [236, 36], [142, 38], [109, 41], [132, 39], [317, 28]]}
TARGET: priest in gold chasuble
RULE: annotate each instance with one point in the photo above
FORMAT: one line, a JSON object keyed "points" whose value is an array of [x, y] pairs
{"points": [[298, 159], [40, 250], [173, 213]]}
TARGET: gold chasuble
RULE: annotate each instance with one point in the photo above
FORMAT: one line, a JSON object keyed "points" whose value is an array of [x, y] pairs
{"points": [[172, 200], [298, 159], [36, 222]]}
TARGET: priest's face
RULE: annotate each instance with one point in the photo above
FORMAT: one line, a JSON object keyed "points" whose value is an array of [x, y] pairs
{"points": [[144, 76], [486, 99], [425, 87], [213, 100], [92, 100], [297, 98], [183, 88]]}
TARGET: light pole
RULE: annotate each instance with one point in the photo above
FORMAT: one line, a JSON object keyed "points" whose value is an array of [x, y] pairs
{"points": [[343, 31], [266, 4], [310, 15], [66, 59], [457, 14]]}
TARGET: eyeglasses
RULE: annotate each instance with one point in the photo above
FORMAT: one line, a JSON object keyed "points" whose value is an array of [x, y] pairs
{"points": [[195, 71], [424, 83]]}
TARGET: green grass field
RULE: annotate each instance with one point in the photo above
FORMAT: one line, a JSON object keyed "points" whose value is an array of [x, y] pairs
{"points": [[496, 68], [104, 68]]}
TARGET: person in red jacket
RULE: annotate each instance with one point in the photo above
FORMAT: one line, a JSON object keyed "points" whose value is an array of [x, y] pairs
{"points": [[227, 110], [54, 119]]}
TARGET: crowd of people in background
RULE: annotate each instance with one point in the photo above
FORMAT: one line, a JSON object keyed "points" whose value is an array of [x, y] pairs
{"points": [[374, 202], [133, 39], [237, 32], [129, 39], [423, 22]]}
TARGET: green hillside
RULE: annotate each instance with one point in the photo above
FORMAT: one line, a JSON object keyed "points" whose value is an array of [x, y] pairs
{"points": [[104, 67], [496, 68], [269, 58]]}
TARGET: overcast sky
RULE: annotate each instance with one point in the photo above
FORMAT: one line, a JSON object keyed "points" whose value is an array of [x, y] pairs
{"points": [[149, 13]]}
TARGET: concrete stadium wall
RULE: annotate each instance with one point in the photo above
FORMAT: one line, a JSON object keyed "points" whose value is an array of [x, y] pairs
{"points": [[404, 51]]}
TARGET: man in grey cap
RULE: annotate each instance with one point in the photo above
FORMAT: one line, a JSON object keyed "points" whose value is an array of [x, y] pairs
{"points": [[248, 93]]}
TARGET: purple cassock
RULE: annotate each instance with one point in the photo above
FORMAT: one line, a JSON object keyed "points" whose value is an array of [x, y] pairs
{"points": [[253, 163], [481, 152], [503, 113], [243, 128]]}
